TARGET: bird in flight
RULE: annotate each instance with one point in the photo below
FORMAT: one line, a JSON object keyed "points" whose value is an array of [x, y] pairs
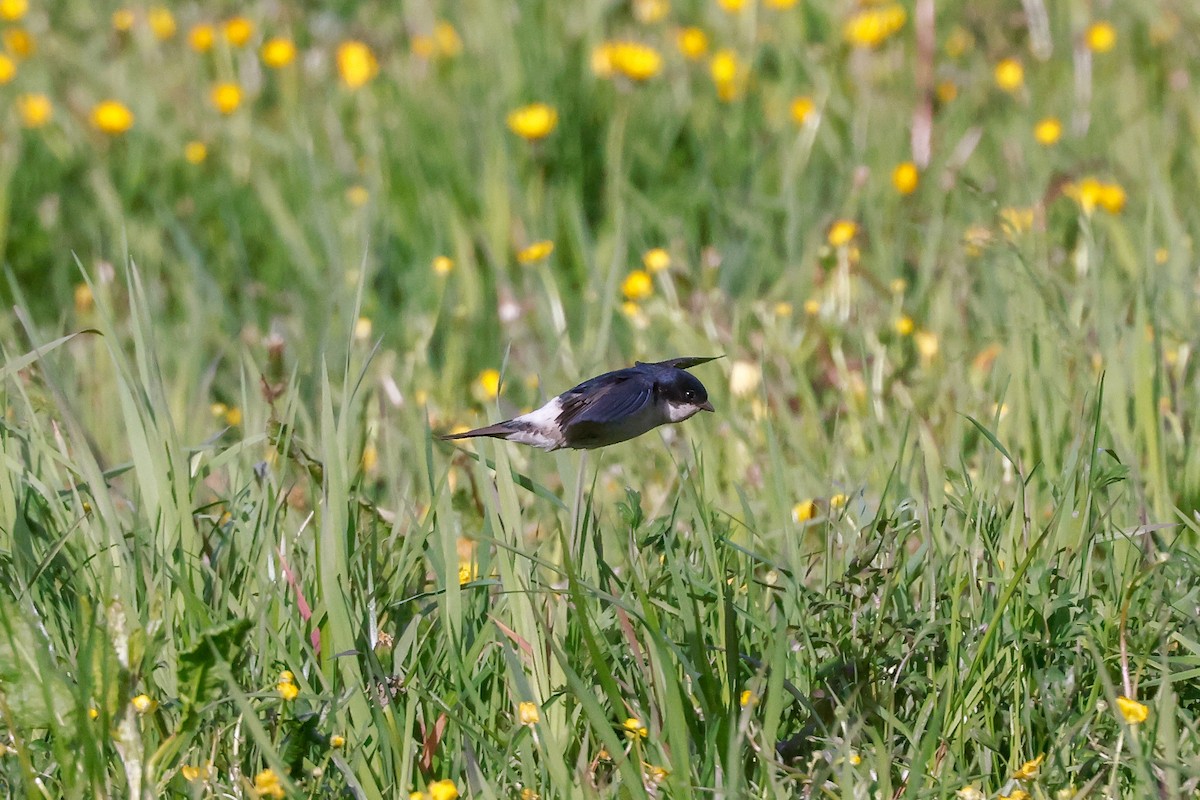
{"points": [[610, 408]]}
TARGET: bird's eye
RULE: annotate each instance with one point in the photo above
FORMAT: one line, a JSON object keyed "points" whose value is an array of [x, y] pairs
{"points": [[689, 395]]}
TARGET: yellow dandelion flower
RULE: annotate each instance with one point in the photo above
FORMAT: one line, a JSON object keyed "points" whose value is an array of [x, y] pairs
{"points": [[266, 784], [602, 59], [489, 383], [112, 117], [358, 195], [535, 252], [1015, 221], [201, 37], [656, 260], [143, 704], [1092, 192], [233, 417], [286, 686], [277, 52], [93, 712], [727, 73], [927, 345], [533, 122], [237, 31], [838, 501], [635, 728], [35, 110], [1029, 770], [1133, 712], [442, 265], [1017, 794], [13, 10], [970, 792], [8, 69], [744, 378], [1112, 198], [692, 43], [946, 91], [1161, 255], [362, 328], [842, 232], [417, 796], [898, 285], [195, 152], [123, 19], [1101, 37], [445, 36], [226, 97], [783, 309], [443, 790], [904, 325], [804, 511], [192, 773], [19, 43], [959, 41], [649, 12], [747, 699], [906, 177], [356, 64], [802, 108], [1009, 75], [467, 572], [731, 6], [162, 23], [871, 27], [337, 741], [637, 286], [638, 62], [1048, 131], [527, 713], [812, 307]]}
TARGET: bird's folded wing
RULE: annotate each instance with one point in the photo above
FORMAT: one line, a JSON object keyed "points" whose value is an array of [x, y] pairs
{"points": [[610, 402]]}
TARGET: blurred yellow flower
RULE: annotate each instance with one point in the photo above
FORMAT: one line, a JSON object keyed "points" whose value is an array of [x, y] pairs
{"points": [[237, 30], [637, 285], [489, 383], [192, 773], [781, 5], [1161, 255], [783, 309], [635, 728], [201, 37], [927, 345], [1133, 712], [728, 74], [286, 686], [13, 10], [449, 43], [195, 152], [123, 19], [638, 62], [83, 299], [535, 252], [801, 108], [692, 42], [946, 91], [467, 572], [443, 790], [602, 60], [838, 501], [804, 511], [1091, 192], [8, 69], [162, 23], [527, 713], [357, 195], [959, 41], [842, 232], [871, 27], [533, 122], [1101, 37], [337, 741], [112, 117], [731, 6], [362, 328], [970, 792], [356, 63], [747, 699], [423, 46], [656, 259], [34, 109], [226, 97], [1017, 794], [906, 177], [1009, 75], [143, 704], [266, 784], [442, 265], [278, 52], [649, 12], [19, 43], [744, 378], [1029, 770], [904, 325], [233, 416], [1048, 131]]}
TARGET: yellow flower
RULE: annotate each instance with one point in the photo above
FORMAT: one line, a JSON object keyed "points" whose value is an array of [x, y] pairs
{"points": [[1161, 255], [278, 52], [728, 74], [744, 378], [781, 5], [286, 686], [638, 62], [1048, 131], [1091, 192], [748, 699], [489, 383], [1009, 75], [535, 252], [1015, 221], [233, 416], [804, 511], [8, 69], [13, 10], [656, 259], [970, 792], [801, 108], [449, 43], [527, 713], [731, 6], [112, 117], [337, 741], [226, 97], [356, 64], [533, 122], [635, 729], [927, 345], [123, 19], [201, 37], [842, 232], [1101, 37], [898, 285], [357, 195], [442, 265], [946, 91], [812, 306], [904, 325], [783, 309], [602, 59], [871, 27], [1112, 198], [266, 784], [19, 43], [649, 12], [637, 285], [959, 41], [35, 110], [142, 704], [467, 571], [1017, 794], [443, 790], [162, 23], [237, 30], [93, 712], [838, 501], [417, 796], [692, 42], [195, 152], [1029, 770], [192, 773], [1132, 711], [905, 177]]}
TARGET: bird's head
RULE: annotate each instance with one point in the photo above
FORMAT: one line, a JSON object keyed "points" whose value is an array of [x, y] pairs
{"points": [[683, 394]]}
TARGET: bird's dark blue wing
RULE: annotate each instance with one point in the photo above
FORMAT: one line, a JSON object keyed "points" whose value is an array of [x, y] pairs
{"points": [[607, 398], [685, 362]]}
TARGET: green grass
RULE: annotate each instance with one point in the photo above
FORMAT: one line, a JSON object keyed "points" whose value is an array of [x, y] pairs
{"points": [[213, 472]]}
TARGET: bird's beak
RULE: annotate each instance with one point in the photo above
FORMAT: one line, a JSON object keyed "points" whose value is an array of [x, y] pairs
{"points": [[707, 406]]}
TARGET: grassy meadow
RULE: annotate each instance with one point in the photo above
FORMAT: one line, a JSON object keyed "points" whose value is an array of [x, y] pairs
{"points": [[938, 541]]}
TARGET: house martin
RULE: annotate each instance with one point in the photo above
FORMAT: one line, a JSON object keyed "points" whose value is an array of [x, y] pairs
{"points": [[611, 408]]}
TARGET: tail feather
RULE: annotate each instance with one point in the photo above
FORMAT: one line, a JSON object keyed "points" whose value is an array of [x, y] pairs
{"points": [[501, 430]]}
